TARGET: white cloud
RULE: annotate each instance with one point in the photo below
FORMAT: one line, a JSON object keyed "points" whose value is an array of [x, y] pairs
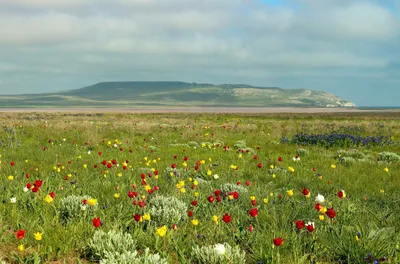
{"points": [[219, 39]]}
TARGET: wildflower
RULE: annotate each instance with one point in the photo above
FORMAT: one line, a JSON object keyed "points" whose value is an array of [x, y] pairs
{"points": [[182, 190], [21, 248], [215, 219], [195, 222], [38, 236], [96, 222], [386, 169], [358, 236], [20, 234], [291, 169], [323, 209], [341, 194], [146, 217], [220, 249], [216, 176], [321, 217], [162, 231], [299, 224], [278, 241], [265, 200], [320, 198], [253, 212], [10, 178], [333, 166], [13, 200], [310, 226], [306, 191], [116, 195], [48, 199], [290, 192], [210, 199], [331, 213], [92, 201], [138, 218], [227, 218]]}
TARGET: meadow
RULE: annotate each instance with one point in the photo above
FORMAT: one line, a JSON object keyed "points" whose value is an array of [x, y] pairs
{"points": [[199, 188]]}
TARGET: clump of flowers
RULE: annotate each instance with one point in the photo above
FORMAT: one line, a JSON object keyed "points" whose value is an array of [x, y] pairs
{"points": [[132, 257], [166, 210], [218, 254]]}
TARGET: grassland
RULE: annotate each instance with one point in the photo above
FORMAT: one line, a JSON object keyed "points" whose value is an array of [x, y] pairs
{"points": [[118, 164]]}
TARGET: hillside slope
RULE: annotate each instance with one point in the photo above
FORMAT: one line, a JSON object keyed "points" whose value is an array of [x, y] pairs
{"points": [[131, 94]]}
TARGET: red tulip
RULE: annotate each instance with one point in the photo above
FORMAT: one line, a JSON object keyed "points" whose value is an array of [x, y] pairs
{"points": [[210, 199], [299, 224], [137, 217], [227, 218], [194, 203], [190, 213], [253, 212], [96, 222], [251, 228], [310, 227], [20, 234], [331, 213], [305, 191], [278, 241], [259, 165]]}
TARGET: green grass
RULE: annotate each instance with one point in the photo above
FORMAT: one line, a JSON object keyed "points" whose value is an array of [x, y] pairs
{"points": [[370, 208]]}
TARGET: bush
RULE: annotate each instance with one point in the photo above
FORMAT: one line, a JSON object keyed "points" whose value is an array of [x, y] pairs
{"points": [[302, 152], [102, 245], [132, 257], [353, 153], [72, 206], [218, 254], [388, 157], [166, 210], [229, 187]]}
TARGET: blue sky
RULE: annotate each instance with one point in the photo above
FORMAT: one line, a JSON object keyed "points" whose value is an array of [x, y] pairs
{"points": [[346, 47]]}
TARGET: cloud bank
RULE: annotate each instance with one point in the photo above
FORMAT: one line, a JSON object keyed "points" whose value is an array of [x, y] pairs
{"points": [[343, 46]]}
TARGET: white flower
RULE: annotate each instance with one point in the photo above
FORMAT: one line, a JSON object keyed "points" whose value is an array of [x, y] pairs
{"points": [[320, 198], [26, 189], [311, 223], [89, 152], [296, 158], [64, 139], [83, 207], [13, 200], [216, 176], [220, 249]]}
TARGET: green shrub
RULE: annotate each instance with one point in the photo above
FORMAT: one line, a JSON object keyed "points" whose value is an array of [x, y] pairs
{"points": [[388, 157], [72, 207], [102, 245], [230, 187], [166, 210], [132, 257], [218, 254]]}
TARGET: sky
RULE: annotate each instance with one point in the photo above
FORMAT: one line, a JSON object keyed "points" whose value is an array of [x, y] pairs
{"points": [[350, 48]]}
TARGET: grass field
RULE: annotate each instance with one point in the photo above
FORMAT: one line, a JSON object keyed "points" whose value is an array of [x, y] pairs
{"points": [[200, 188]]}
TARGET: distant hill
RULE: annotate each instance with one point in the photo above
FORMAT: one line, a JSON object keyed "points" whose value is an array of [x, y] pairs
{"points": [[132, 94]]}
